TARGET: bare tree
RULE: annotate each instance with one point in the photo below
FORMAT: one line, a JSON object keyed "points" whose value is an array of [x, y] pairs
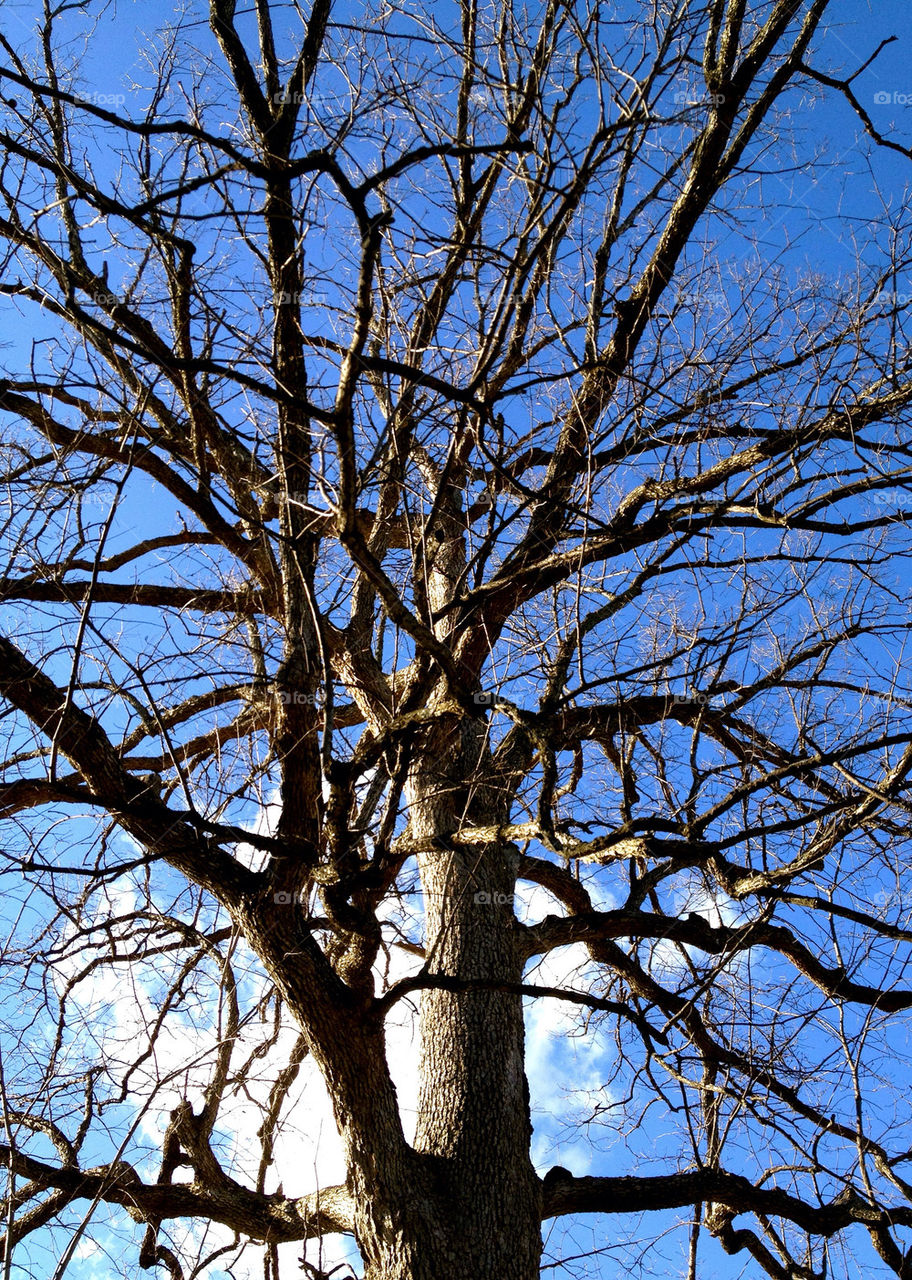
{"points": [[453, 556]]}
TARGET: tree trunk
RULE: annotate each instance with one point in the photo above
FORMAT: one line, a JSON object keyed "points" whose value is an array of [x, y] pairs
{"points": [[477, 1194]]}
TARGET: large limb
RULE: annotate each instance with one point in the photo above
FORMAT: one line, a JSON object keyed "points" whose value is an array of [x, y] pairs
{"points": [[275, 1217], [730, 1194]]}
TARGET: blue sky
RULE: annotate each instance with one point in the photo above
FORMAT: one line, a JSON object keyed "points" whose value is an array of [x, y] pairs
{"points": [[823, 223]]}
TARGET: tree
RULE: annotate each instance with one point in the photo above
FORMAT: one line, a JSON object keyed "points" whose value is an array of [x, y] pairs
{"points": [[454, 556]]}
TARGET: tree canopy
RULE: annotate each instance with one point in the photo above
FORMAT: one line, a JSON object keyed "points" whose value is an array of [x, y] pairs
{"points": [[457, 472]]}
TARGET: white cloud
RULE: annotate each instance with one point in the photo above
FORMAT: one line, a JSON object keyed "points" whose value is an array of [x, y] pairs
{"points": [[566, 1070]]}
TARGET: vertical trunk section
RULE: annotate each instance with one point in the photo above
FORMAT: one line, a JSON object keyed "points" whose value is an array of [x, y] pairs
{"points": [[472, 1138], [472, 1210]]}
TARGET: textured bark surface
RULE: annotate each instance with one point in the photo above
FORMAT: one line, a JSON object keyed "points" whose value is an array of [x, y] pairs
{"points": [[473, 1108]]}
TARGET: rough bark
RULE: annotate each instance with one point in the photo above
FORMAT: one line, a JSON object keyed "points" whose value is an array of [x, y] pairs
{"points": [[473, 1109]]}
